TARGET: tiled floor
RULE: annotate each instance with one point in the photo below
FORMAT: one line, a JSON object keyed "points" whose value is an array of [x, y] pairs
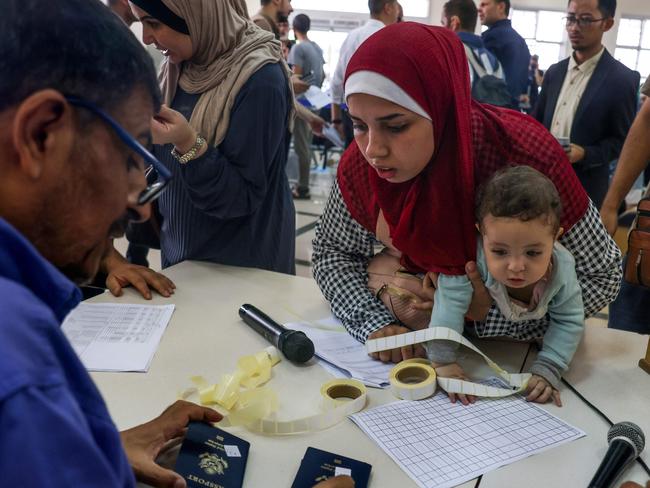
{"points": [[307, 213]]}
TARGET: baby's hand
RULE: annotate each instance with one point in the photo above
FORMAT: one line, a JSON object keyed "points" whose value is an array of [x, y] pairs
{"points": [[454, 370], [540, 391]]}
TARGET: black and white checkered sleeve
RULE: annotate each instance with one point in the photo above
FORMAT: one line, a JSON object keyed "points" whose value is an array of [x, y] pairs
{"points": [[342, 251], [598, 267]]}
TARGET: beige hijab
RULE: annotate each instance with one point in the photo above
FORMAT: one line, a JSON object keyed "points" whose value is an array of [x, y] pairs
{"points": [[228, 49]]}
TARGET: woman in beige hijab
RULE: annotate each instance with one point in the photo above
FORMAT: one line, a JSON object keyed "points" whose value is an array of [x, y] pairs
{"points": [[223, 133]]}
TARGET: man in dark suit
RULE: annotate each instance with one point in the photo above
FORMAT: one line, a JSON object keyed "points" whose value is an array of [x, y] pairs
{"points": [[588, 100]]}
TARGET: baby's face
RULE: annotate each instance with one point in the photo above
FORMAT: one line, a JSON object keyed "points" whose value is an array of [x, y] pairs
{"points": [[517, 253]]}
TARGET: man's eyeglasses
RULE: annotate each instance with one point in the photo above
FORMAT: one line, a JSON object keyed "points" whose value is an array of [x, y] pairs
{"points": [[157, 175], [583, 22]]}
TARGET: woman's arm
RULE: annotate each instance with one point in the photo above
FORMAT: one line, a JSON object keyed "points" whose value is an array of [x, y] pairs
{"points": [[342, 250]]}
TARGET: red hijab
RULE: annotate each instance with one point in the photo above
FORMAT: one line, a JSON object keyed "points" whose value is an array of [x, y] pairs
{"points": [[431, 217]]}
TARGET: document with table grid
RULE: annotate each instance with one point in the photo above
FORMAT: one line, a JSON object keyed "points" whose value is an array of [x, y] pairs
{"points": [[440, 444]]}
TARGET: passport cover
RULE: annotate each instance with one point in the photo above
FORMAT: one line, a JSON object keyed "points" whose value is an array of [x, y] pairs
{"points": [[320, 465], [210, 457]]}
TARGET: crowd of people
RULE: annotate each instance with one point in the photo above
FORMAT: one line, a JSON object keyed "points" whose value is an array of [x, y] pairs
{"points": [[496, 214]]}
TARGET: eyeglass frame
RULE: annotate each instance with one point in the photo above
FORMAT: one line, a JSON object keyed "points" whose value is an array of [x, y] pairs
{"points": [[581, 22], [153, 190]]}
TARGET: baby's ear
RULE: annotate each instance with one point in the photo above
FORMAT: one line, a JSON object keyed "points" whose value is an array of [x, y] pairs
{"points": [[478, 227], [560, 231]]}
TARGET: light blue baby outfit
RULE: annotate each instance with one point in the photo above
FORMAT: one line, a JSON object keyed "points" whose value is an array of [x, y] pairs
{"points": [[561, 300]]}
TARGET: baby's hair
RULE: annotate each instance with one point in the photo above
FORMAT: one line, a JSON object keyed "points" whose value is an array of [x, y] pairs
{"points": [[519, 192]]}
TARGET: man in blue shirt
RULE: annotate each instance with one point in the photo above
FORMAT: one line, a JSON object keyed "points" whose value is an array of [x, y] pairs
{"points": [[69, 183], [508, 46]]}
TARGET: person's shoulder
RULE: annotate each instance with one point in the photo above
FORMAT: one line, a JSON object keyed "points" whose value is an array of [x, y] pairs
{"points": [[621, 69], [261, 22]]}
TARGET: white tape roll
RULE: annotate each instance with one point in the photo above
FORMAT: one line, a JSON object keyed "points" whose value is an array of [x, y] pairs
{"points": [[413, 379], [517, 382]]}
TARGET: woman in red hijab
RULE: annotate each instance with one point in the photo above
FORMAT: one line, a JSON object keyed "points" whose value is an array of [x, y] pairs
{"points": [[422, 147]]}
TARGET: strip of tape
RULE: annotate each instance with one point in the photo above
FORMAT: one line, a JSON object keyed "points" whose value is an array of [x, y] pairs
{"points": [[254, 406], [517, 382]]}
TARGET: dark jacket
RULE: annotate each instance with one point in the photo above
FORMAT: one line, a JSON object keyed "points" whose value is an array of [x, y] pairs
{"points": [[512, 52], [602, 120]]}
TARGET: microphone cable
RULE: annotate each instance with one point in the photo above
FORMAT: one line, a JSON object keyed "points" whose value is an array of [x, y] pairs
{"points": [[604, 417]]}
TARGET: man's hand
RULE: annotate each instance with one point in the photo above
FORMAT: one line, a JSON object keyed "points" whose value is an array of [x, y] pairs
{"points": [[396, 355], [454, 370], [609, 216], [317, 124], [120, 273], [336, 482], [481, 299], [144, 443], [575, 153], [299, 86], [540, 391]]}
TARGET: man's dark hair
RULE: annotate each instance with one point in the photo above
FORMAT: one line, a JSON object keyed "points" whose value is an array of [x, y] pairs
{"points": [[282, 19], [507, 2], [301, 23], [77, 47], [465, 10], [520, 192], [376, 6], [264, 3], [607, 8]]}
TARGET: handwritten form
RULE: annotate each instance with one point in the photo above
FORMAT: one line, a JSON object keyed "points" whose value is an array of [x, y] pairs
{"points": [[116, 337], [344, 356], [440, 444]]}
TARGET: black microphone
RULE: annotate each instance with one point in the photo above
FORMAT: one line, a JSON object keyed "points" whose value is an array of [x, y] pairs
{"points": [[626, 441], [294, 344]]}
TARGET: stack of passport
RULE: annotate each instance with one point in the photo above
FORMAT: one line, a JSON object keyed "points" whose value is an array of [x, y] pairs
{"points": [[212, 458], [320, 465]]}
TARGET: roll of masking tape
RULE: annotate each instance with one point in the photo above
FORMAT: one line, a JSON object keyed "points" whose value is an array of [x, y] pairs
{"points": [[413, 379]]}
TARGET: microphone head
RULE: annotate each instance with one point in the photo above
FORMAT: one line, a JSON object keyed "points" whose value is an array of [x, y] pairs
{"points": [[296, 346], [632, 433]]}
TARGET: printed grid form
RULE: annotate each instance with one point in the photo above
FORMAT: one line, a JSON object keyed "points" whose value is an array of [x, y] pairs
{"points": [[440, 444]]}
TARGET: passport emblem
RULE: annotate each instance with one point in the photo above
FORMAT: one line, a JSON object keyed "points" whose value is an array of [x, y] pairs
{"points": [[212, 464]]}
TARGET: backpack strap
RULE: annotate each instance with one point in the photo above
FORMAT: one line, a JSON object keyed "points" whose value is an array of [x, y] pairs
{"points": [[475, 62]]}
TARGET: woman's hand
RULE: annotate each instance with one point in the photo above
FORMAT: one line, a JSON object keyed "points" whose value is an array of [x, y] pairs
{"points": [[170, 127], [399, 354], [481, 299]]}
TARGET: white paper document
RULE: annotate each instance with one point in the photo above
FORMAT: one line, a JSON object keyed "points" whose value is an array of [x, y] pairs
{"points": [[344, 356], [331, 134], [441, 444], [317, 98], [116, 337]]}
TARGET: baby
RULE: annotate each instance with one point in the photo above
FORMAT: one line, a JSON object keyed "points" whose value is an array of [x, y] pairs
{"points": [[527, 273]]}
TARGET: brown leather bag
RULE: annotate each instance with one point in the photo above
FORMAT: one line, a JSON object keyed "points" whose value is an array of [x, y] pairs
{"points": [[637, 267]]}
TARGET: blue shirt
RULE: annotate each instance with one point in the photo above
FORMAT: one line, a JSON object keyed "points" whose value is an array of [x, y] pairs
{"points": [[233, 204], [55, 430], [476, 43], [512, 52]]}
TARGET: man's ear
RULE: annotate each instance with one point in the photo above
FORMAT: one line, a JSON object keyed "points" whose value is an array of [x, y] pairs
{"points": [[43, 130], [608, 24], [454, 23]]}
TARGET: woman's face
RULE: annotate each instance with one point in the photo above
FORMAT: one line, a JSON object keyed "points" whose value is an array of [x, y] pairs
{"points": [[174, 45], [396, 142]]}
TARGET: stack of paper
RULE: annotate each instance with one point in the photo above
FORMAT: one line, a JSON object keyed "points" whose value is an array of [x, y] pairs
{"points": [[344, 356], [116, 337]]}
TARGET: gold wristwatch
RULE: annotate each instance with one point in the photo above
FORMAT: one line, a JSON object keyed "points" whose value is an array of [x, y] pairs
{"points": [[192, 153]]}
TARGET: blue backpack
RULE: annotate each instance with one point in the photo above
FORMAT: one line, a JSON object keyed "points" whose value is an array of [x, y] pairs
{"points": [[488, 82]]}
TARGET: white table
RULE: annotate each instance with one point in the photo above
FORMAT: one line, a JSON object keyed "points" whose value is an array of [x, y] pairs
{"points": [[206, 336]]}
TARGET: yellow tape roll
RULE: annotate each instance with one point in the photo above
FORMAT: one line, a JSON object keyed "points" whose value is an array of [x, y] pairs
{"points": [[413, 379]]}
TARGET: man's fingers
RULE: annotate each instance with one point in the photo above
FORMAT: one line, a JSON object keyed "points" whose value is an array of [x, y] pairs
{"points": [[396, 355], [114, 286], [419, 351], [407, 352], [140, 284], [155, 475], [473, 274]]}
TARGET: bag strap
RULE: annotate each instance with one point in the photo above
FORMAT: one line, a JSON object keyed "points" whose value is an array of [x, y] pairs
{"points": [[475, 62]]}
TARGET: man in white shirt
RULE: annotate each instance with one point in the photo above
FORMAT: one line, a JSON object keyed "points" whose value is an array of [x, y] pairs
{"points": [[588, 101], [382, 13]]}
